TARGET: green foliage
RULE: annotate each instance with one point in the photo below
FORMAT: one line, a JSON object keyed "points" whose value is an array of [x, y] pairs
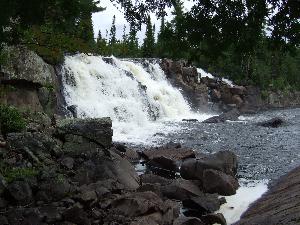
{"points": [[52, 45], [18, 173], [11, 120]]}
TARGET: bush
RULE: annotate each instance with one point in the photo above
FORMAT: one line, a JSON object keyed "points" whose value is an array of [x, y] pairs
{"points": [[11, 120]]}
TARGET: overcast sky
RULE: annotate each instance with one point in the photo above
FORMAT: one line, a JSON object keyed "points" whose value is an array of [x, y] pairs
{"points": [[103, 20]]}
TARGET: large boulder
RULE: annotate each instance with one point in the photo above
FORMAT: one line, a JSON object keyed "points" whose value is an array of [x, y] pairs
{"points": [[24, 65], [218, 182], [206, 203], [224, 161], [95, 130], [102, 168]]}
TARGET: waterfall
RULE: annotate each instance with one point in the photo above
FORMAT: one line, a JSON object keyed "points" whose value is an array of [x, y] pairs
{"points": [[137, 96]]}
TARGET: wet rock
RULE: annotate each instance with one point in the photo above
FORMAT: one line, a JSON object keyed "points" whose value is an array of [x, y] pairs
{"points": [[132, 155], [231, 115], [218, 182], [162, 164], [212, 219], [190, 120], [120, 147], [207, 203], [274, 122], [215, 95], [188, 221], [237, 100], [20, 191], [95, 130], [225, 161]]}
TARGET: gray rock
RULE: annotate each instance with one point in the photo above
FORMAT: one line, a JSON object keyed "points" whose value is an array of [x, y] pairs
{"points": [[25, 65], [95, 130], [154, 179], [218, 182]]}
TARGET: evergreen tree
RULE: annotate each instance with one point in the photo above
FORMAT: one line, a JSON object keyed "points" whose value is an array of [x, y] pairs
{"points": [[112, 34], [101, 46], [133, 44], [149, 41]]}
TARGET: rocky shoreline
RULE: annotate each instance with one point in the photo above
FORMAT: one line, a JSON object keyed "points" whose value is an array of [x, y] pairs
{"points": [[72, 173]]}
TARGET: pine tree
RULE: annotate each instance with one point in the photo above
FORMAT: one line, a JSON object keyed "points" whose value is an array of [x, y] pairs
{"points": [[149, 41], [112, 34], [133, 44], [101, 46]]}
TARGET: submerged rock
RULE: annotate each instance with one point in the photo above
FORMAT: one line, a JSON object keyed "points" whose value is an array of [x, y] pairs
{"points": [[231, 115], [274, 122]]}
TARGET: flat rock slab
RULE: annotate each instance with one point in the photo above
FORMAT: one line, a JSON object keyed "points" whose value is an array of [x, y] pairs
{"points": [[279, 206], [176, 154]]}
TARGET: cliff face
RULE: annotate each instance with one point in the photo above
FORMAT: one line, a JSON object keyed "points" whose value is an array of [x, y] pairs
{"points": [[27, 82]]}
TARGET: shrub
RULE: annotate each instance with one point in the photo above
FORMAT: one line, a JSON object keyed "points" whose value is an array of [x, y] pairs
{"points": [[11, 120]]}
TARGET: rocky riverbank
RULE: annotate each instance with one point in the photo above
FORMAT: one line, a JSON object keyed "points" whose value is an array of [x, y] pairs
{"points": [[71, 173], [222, 95]]}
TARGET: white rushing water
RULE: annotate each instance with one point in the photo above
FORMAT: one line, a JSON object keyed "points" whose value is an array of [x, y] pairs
{"points": [[237, 204], [140, 101]]}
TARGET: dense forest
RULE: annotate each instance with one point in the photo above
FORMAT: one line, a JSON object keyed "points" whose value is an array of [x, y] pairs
{"points": [[250, 41]]}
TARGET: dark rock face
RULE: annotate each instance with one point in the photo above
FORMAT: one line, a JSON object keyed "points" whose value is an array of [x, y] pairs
{"points": [[205, 204], [279, 206], [218, 182], [275, 122]]}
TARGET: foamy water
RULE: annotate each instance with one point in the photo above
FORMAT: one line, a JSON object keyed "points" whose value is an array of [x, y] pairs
{"points": [[140, 101], [237, 204]]}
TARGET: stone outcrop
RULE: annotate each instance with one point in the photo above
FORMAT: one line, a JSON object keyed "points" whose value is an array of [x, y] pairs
{"points": [[27, 82], [186, 78], [279, 206]]}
